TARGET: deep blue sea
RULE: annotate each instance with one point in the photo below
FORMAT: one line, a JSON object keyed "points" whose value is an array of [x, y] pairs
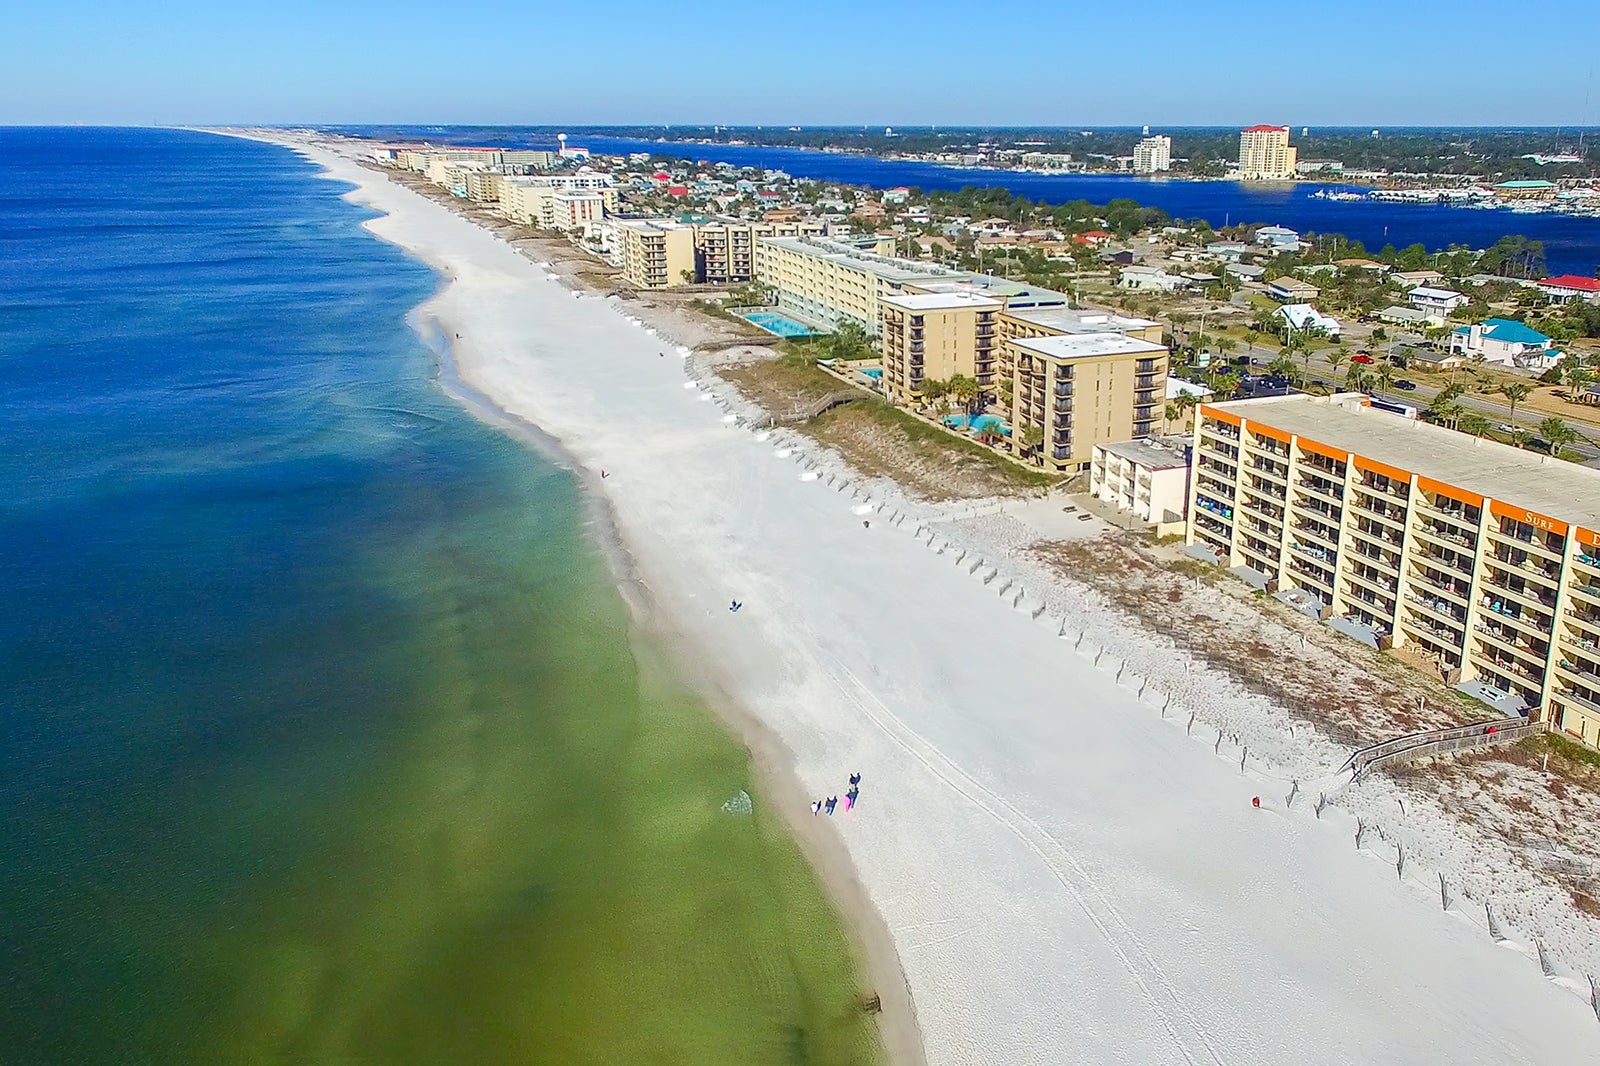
{"points": [[1572, 245], [322, 736]]}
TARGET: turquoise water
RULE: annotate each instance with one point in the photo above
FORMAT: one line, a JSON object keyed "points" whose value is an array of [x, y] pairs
{"points": [[977, 424], [777, 324], [322, 738]]}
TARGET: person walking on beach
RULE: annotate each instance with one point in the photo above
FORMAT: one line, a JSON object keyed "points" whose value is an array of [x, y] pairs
{"points": [[850, 798], [833, 801], [816, 806], [855, 779]]}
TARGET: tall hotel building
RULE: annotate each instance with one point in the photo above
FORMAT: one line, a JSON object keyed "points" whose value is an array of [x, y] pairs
{"points": [[1265, 155], [1483, 558]]}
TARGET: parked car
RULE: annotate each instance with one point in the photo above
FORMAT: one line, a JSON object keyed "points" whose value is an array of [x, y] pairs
{"points": [[1405, 384], [1361, 357]]}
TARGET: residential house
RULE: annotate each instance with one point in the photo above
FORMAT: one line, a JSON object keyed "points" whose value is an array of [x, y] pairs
{"points": [[1502, 340], [1149, 277], [1301, 318], [1410, 279], [1278, 239], [1567, 287], [1440, 302], [1292, 290]]}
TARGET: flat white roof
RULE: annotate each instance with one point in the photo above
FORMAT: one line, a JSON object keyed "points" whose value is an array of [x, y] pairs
{"points": [[1088, 346], [942, 301], [1146, 454], [1434, 294], [1514, 476], [1068, 320]]}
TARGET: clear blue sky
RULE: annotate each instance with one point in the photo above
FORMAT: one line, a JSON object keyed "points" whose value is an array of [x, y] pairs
{"points": [[1163, 62]]}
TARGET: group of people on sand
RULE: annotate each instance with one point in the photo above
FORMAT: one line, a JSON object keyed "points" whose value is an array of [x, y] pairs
{"points": [[829, 805]]}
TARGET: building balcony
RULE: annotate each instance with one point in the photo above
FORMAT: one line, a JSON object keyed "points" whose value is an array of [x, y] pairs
{"points": [[1497, 663], [1506, 639], [1326, 467], [1219, 429], [1524, 618], [1442, 534], [1546, 575], [1257, 550], [1456, 591], [1388, 561], [1575, 698], [1385, 587], [1500, 581], [1583, 620], [1321, 556], [1215, 507], [1438, 608], [1445, 561], [1322, 490], [1323, 535], [1534, 543], [1393, 517], [1391, 489], [1269, 447]]}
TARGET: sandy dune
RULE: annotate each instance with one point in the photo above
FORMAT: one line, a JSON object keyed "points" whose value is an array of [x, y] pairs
{"points": [[1067, 876]]}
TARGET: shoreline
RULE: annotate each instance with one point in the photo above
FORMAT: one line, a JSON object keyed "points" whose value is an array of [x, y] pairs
{"points": [[664, 651], [995, 990]]}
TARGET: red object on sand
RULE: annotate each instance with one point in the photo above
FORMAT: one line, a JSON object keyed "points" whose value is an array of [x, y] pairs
{"points": [[1255, 801]]}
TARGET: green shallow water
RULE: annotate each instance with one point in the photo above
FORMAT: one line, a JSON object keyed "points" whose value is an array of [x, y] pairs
{"points": [[322, 739]]}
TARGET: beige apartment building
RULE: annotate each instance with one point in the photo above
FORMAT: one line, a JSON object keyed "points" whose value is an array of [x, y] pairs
{"points": [[483, 186], [725, 250], [1077, 390], [1265, 154], [1470, 557], [532, 200], [1144, 479], [825, 281], [936, 336], [656, 253]]}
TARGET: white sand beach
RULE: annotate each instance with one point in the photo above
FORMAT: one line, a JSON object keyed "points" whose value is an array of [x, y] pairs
{"points": [[1068, 876]]}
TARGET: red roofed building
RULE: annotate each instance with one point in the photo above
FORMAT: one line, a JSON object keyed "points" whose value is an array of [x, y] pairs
{"points": [[661, 177], [1093, 238], [677, 190], [1566, 287]]}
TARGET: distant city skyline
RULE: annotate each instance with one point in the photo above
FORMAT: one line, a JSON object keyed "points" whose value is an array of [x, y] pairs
{"points": [[888, 63]]}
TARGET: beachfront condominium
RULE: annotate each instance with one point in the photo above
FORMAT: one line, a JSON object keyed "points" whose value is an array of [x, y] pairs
{"points": [[826, 281], [657, 253], [532, 200], [1265, 154], [1152, 155], [725, 249], [937, 336], [1472, 559], [1072, 391]]}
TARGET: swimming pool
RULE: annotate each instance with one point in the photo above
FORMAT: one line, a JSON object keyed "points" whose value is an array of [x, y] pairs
{"points": [[776, 324], [977, 424], [875, 373]]}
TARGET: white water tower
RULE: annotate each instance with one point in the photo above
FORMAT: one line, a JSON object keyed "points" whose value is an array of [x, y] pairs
{"points": [[1147, 131], [561, 142]]}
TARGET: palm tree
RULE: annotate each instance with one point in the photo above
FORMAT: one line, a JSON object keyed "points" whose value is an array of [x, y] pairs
{"points": [[1516, 392], [1337, 358], [965, 390], [1384, 374], [1558, 433], [1473, 422]]}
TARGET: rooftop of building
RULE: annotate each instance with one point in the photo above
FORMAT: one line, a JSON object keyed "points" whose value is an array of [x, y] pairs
{"points": [[883, 266], [1144, 453], [942, 301], [1016, 294], [1088, 346], [651, 223], [1427, 292], [1515, 476], [1080, 320], [1572, 281], [1508, 330], [1265, 129]]}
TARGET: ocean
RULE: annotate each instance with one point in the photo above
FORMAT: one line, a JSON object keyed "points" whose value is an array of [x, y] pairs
{"points": [[1571, 244], [323, 738]]}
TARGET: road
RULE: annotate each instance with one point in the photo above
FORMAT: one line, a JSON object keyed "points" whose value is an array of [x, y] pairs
{"points": [[1421, 396]]}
